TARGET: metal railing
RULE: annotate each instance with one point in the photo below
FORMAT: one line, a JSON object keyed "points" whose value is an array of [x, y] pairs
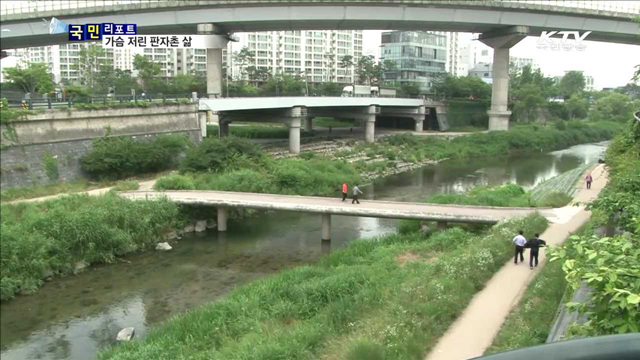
{"points": [[70, 102], [38, 8], [637, 116]]}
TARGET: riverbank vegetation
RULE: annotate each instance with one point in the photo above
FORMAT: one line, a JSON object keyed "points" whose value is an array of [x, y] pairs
{"points": [[608, 264], [60, 236], [389, 297], [248, 168]]}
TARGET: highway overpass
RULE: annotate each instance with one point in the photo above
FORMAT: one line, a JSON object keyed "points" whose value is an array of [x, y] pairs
{"points": [[502, 24]]}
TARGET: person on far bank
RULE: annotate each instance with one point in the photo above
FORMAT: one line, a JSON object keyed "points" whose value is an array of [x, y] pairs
{"points": [[519, 241], [589, 179], [356, 191], [344, 191], [534, 244]]}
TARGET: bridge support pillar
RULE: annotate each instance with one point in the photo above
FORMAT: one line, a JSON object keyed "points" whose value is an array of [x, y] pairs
{"points": [[223, 215], [419, 122], [501, 41], [370, 124], [326, 227], [223, 128], [442, 225], [308, 124], [214, 61], [294, 135]]}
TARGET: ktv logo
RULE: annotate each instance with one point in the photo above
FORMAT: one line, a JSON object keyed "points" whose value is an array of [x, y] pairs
{"points": [[546, 41]]}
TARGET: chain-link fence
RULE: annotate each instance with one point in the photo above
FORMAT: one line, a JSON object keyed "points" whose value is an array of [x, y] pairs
{"points": [[37, 8]]}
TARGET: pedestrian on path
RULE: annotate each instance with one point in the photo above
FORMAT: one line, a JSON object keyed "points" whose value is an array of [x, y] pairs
{"points": [[534, 244], [344, 191], [519, 241], [356, 191], [589, 179]]}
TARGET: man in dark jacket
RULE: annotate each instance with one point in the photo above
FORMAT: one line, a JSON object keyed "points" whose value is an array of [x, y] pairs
{"points": [[534, 244]]}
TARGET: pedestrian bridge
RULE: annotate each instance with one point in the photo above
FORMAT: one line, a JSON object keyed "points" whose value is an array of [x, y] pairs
{"points": [[325, 206]]}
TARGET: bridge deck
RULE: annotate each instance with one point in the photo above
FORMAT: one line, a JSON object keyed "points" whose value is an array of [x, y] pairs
{"points": [[324, 205]]}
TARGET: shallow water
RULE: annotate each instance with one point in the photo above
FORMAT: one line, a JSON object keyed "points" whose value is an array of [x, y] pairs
{"points": [[73, 317]]}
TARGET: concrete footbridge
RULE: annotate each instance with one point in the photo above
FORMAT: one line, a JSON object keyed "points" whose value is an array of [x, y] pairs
{"points": [[297, 110], [442, 214]]}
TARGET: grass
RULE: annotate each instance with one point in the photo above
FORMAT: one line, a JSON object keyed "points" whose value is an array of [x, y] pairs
{"points": [[466, 129], [49, 189], [506, 196], [50, 237], [254, 131], [126, 185], [326, 122], [366, 300]]}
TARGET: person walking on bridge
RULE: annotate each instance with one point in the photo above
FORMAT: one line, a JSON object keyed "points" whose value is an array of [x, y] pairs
{"points": [[344, 191], [534, 244], [356, 191], [588, 179], [519, 241]]}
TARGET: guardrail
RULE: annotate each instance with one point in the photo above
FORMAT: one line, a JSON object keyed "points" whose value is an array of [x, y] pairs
{"points": [[31, 104], [637, 116]]}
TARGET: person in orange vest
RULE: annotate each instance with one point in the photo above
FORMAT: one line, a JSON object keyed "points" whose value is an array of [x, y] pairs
{"points": [[344, 191]]}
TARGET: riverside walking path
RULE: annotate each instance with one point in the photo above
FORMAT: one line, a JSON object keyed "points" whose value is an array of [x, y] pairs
{"points": [[473, 332]]}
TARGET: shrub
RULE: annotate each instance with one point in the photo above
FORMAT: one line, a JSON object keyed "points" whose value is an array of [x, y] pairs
{"points": [[174, 182], [126, 185], [119, 157], [50, 166], [215, 155]]}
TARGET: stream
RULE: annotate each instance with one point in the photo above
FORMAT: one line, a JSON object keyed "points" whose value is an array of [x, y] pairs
{"points": [[74, 317]]}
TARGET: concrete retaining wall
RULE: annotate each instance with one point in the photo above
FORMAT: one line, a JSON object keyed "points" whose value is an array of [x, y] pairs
{"points": [[68, 135]]}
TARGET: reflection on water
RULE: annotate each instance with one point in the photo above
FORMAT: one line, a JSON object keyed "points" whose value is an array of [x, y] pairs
{"points": [[72, 318]]}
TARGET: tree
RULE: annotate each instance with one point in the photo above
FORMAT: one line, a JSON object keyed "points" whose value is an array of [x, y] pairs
{"points": [[284, 85], [243, 58], [519, 77], [328, 89], [365, 69], [381, 69], [461, 87], [527, 102], [347, 63], [614, 107], [258, 74], [147, 70], [571, 83], [123, 82], [91, 64], [186, 84], [35, 77], [409, 89], [576, 107]]}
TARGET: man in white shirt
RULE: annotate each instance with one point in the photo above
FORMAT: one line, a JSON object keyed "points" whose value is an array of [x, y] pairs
{"points": [[519, 241]]}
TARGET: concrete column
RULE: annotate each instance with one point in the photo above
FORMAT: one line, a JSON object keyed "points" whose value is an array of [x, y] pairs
{"points": [[501, 40], [442, 225], [214, 73], [441, 116], [223, 215], [418, 124], [308, 123], [499, 113], [326, 227], [422, 111], [325, 247], [214, 63], [223, 128], [202, 119], [294, 135], [370, 129]]}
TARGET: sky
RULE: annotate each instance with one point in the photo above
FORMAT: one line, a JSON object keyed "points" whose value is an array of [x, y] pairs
{"points": [[611, 65]]}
